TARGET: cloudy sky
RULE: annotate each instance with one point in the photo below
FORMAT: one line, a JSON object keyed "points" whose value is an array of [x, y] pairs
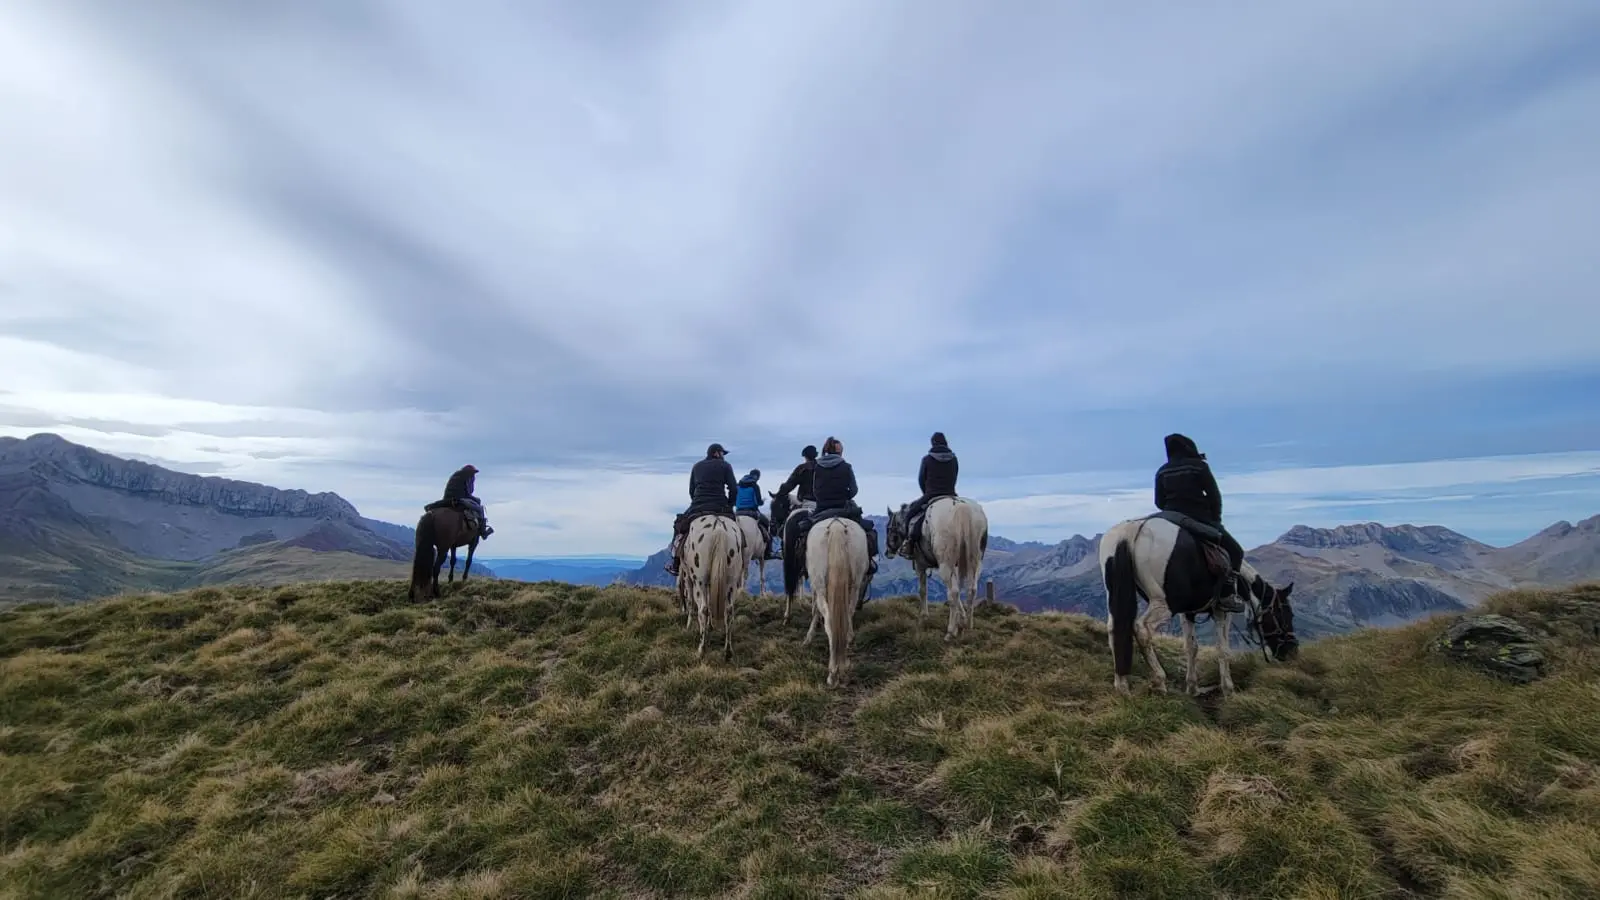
{"points": [[1350, 246]]}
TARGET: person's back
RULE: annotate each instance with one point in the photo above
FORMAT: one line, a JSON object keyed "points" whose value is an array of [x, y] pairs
{"points": [[803, 477], [749, 496], [712, 483], [1184, 484], [834, 484], [458, 491], [937, 476]]}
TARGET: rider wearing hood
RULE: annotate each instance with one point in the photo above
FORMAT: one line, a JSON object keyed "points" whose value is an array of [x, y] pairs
{"points": [[459, 489], [936, 478], [1184, 484], [836, 490]]}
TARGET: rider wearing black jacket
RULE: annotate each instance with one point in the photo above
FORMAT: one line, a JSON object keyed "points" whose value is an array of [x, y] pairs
{"points": [[1184, 484], [712, 491]]}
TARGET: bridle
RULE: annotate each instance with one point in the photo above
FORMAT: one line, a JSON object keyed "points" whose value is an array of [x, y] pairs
{"points": [[1257, 632]]}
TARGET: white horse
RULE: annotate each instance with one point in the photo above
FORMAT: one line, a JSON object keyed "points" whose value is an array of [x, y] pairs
{"points": [[955, 535], [1156, 559], [711, 554], [755, 550], [836, 557]]}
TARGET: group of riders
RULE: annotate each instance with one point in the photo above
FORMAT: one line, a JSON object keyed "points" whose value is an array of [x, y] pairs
{"points": [[826, 488]]}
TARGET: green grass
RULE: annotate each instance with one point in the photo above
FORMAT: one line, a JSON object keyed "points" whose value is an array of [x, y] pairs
{"points": [[514, 740]]}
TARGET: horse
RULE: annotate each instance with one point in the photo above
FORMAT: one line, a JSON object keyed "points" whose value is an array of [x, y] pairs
{"points": [[1176, 574], [711, 552], [755, 550], [439, 532], [836, 556], [956, 531], [784, 510]]}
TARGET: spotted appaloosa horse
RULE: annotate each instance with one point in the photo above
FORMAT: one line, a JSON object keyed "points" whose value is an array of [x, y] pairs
{"points": [[1156, 559], [955, 535], [711, 553], [755, 551]]}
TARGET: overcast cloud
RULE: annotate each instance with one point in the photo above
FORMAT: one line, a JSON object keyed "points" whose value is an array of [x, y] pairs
{"points": [[353, 246]]}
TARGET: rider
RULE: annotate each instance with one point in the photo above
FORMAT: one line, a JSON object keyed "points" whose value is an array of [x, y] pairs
{"points": [[835, 487], [1184, 484], [711, 492], [750, 500], [936, 478], [802, 477], [459, 490]]}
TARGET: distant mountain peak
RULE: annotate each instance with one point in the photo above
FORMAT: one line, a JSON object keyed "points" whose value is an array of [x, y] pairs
{"points": [[1394, 537]]}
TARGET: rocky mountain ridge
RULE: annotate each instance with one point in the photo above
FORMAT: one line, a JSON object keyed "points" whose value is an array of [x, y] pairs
{"points": [[55, 457]]}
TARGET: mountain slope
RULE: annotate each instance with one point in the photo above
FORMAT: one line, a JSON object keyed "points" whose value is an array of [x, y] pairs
{"points": [[76, 523], [552, 741]]}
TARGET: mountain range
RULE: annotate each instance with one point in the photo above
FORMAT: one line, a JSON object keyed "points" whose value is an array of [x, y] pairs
{"points": [[1347, 577], [77, 523]]}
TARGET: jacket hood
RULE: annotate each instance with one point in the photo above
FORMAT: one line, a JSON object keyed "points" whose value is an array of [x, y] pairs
{"points": [[941, 454], [750, 479], [1181, 447], [829, 460]]}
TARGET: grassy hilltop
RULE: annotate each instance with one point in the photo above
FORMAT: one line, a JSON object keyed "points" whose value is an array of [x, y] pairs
{"points": [[518, 740]]}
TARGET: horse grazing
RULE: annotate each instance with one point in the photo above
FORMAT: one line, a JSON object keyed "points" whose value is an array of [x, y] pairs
{"points": [[786, 521], [1177, 575], [711, 553], [955, 535], [755, 550], [836, 557], [439, 532]]}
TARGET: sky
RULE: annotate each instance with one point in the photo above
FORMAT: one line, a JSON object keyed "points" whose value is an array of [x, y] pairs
{"points": [[1348, 246]]}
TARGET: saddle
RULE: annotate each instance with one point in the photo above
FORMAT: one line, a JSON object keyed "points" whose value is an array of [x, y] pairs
{"points": [[472, 522], [1207, 536], [914, 527]]}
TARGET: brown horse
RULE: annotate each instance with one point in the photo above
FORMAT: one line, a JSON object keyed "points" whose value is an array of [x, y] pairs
{"points": [[439, 532]]}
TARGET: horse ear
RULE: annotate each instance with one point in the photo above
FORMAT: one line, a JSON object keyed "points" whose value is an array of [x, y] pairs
{"points": [[1286, 590]]}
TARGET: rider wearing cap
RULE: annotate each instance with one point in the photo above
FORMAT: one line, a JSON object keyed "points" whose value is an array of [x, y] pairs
{"points": [[712, 490]]}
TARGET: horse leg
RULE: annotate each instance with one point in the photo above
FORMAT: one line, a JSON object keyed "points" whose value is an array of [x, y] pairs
{"points": [[922, 592], [471, 548], [452, 578], [816, 616], [1118, 682], [1191, 658], [1146, 638], [438, 563], [1224, 677], [702, 600]]}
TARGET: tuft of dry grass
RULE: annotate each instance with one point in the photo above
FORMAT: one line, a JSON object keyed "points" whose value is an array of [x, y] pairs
{"points": [[509, 740]]}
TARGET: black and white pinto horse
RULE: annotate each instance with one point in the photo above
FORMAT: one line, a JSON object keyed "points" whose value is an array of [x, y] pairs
{"points": [[955, 535], [786, 523], [1177, 575]]}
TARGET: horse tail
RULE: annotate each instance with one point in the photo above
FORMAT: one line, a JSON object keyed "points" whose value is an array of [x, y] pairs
{"points": [[1122, 601], [422, 561], [719, 571], [843, 588], [965, 564]]}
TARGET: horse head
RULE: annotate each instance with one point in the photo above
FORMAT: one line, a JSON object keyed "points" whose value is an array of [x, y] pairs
{"points": [[895, 536], [1274, 616]]}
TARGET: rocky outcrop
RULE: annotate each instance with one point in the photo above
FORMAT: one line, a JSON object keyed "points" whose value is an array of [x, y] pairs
{"points": [[1433, 540], [59, 459], [1494, 645]]}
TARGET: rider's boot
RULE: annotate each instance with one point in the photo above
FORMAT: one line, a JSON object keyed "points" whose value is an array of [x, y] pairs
{"points": [[672, 558], [1225, 598]]}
